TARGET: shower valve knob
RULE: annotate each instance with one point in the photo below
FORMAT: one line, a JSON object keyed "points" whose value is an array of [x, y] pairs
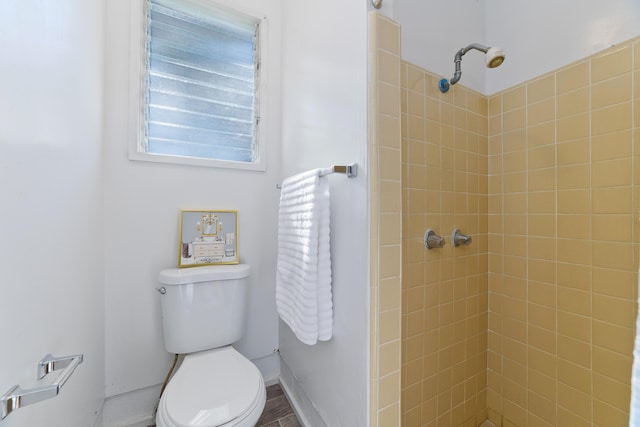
{"points": [[432, 240], [460, 239]]}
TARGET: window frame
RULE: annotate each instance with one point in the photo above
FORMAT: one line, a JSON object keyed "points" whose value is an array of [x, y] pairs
{"points": [[137, 93]]}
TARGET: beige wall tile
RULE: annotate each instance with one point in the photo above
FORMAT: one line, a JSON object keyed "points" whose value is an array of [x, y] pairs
{"points": [[611, 200], [573, 152], [612, 227], [495, 105], [541, 157], [613, 337], [574, 351], [612, 119], [552, 177], [514, 119], [514, 98], [612, 365], [612, 91], [611, 63], [604, 414], [615, 283], [574, 325], [573, 102], [611, 391], [541, 88], [610, 146], [573, 77], [541, 134], [574, 127], [574, 376]]}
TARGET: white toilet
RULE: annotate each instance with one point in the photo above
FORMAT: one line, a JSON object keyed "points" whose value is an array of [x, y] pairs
{"points": [[203, 312]]}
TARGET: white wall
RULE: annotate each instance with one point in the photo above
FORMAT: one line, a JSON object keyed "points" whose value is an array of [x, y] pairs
{"points": [[538, 36], [433, 31], [142, 204], [545, 35], [51, 250], [324, 114]]}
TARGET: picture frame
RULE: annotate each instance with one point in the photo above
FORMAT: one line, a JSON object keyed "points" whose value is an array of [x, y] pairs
{"points": [[208, 237]]}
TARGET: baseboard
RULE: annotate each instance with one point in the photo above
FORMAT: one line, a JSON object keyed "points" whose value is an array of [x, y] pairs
{"points": [[269, 367], [133, 409], [300, 402]]}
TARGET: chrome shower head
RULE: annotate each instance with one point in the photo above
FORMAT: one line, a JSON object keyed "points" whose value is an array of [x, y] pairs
{"points": [[494, 57]]}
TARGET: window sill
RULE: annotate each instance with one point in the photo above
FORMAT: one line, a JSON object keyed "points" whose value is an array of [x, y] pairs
{"points": [[195, 161]]}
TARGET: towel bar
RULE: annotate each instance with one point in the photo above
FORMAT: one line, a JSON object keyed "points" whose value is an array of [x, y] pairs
{"points": [[350, 170], [16, 397]]}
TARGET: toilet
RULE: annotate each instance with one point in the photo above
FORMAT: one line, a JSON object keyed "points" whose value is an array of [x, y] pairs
{"points": [[203, 313]]}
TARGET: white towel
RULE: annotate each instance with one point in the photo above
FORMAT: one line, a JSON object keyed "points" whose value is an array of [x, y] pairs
{"points": [[303, 275], [634, 419]]}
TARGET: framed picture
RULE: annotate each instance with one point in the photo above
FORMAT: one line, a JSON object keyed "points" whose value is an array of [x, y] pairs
{"points": [[208, 237]]}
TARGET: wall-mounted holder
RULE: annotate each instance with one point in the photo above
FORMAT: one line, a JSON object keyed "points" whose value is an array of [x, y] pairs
{"points": [[432, 240], [16, 397], [460, 239]]}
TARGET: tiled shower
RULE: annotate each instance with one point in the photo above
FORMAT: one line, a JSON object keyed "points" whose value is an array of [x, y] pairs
{"points": [[533, 323]]}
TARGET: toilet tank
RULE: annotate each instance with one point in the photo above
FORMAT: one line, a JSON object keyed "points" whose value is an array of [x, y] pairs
{"points": [[203, 307]]}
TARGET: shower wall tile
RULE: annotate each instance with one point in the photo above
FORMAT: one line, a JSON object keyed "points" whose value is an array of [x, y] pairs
{"points": [[533, 323], [385, 177], [611, 91], [540, 89], [580, 244], [613, 62], [573, 77], [573, 102], [444, 304]]}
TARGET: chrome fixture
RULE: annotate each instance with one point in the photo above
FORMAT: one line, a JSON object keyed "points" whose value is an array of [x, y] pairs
{"points": [[16, 397], [494, 57], [350, 170], [460, 239], [432, 240], [376, 3]]}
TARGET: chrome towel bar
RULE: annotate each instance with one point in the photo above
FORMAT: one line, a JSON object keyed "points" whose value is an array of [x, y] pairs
{"points": [[16, 397], [350, 170]]}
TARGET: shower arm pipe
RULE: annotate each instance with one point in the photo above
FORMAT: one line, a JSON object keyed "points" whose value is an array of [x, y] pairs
{"points": [[458, 60]]}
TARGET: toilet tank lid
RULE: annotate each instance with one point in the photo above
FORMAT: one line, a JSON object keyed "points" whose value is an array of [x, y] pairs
{"points": [[180, 276]]}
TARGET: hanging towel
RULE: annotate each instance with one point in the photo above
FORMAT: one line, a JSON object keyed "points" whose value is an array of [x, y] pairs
{"points": [[634, 419], [303, 275]]}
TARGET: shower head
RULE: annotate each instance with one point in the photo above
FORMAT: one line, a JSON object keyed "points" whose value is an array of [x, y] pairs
{"points": [[494, 57]]}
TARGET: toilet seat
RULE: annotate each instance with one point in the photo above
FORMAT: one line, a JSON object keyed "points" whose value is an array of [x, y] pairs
{"points": [[217, 387]]}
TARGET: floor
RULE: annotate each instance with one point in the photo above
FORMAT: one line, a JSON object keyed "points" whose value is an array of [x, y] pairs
{"points": [[277, 411]]}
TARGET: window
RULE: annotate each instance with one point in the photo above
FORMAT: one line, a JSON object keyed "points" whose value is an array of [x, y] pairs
{"points": [[199, 86]]}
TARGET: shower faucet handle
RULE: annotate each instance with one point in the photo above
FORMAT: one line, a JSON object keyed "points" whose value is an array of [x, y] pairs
{"points": [[460, 239], [432, 240]]}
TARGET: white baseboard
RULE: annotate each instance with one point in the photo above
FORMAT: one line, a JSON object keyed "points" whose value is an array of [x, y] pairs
{"points": [[133, 409], [269, 367], [300, 402]]}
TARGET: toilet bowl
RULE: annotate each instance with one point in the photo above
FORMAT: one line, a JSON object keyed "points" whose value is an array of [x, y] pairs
{"points": [[203, 313], [213, 388]]}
